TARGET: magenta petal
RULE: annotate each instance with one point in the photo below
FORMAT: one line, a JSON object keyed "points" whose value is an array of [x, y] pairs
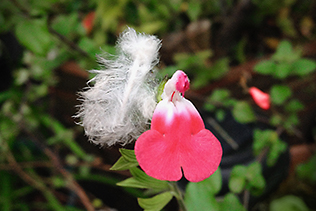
{"points": [[201, 156], [157, 157]]}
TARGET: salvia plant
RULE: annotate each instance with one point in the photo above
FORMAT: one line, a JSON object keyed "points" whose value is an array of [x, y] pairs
{"points": [[127, 103], [171, 153], [119, 107]]}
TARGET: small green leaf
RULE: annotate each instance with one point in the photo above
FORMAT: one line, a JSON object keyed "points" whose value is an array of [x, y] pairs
{"points": [[275, 151], [123, 164], [161, 88], [128, 154], [303, 67], [126, 161], [243, 112], [141, 180], [256, 182], [133, 183], [282, 70], [307, 171], [262, 139], [201, 195], [209, 107], [155, 203], [294, 106], [66, 24], [231, 203], [58, 182], [275, 119], [285, 53], [265, 67], [237, 179], [219, 95], [288, 203], [34, 35], [21, 76], [220, 115], [194, 10], [279, 94], [97, 203], [89, 46], [237, 184], [219, 69]]}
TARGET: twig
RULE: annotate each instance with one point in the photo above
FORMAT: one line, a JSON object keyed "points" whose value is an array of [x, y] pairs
{"points": [[246, 199], [31, 164], [178, 195], [73, 185], [68, 42], [17, 168], [223, 133]]}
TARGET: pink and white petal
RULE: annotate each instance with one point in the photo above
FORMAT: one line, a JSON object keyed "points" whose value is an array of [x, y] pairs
{"points": [[201, 156], [157, 156], [186, 108], [163, 116]]}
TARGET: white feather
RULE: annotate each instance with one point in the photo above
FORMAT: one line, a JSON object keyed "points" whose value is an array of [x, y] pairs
{"points": [[118, 108]]}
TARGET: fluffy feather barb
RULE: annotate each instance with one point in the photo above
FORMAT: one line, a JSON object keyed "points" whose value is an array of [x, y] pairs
{"points": [[117, 109]]}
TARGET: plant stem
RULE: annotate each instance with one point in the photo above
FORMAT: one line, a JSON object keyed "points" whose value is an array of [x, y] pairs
{"points": [[179, 196]]}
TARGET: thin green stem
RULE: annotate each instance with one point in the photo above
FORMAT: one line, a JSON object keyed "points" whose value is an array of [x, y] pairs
{"points": [[178, 195]]}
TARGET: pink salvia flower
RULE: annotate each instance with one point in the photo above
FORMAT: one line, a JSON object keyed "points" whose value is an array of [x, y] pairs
{"points": [[261, 99], [178, 138]]}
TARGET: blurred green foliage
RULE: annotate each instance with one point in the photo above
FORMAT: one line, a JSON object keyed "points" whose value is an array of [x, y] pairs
{"points": [[52, 32]]}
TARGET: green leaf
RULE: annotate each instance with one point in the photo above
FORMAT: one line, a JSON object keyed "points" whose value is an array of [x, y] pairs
{"points": [[275, 151], [123, 164], [275, 119], [128, 154], [294, 106], [231, 203], [201, 195], [265, 67], [307, 171], [237, 179], [220, 115], [66, 24], [21, 76], [141, 180], [285, 53], [89, 46], [262, 139], [256, 182], [303, 67], [279, 94], [161, 88], [126, 161], [292, 120], [194, 10], [34, 35], [243, 112], [155, 203], [219, 69], [282, 70], [219, 95], [209, 107], [288, 203]]}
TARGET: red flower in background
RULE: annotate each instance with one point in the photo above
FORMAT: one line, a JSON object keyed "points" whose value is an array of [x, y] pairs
{"points": [[87, 22], [261, 98], [178, 138]]}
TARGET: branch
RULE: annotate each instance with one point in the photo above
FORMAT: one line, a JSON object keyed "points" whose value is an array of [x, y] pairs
{"points": [[73, 185]]}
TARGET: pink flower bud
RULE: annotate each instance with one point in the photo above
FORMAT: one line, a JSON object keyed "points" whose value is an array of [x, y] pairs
{"points": [[87, 22], [261, 99], [178, 140]]}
